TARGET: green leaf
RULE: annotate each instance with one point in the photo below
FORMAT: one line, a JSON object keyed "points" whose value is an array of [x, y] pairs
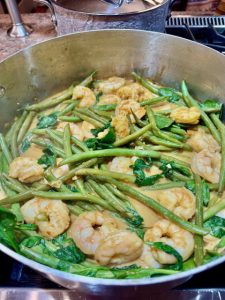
{"points": [[169, 250], [98, 97], [163, 121], [48, 158], [190, 185], [70, 253], [25, 145], [169, 92], [29, 226], [32, 241], [141, 179], [167, 168], [15, 209], [221, 243], [216, 225], [104, 143], [211, 106], [47, 121], [95, 131], [205, 193]]}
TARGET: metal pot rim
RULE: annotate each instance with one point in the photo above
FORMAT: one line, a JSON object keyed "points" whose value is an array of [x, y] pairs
{"points": [[111, 14], [113, 282]]}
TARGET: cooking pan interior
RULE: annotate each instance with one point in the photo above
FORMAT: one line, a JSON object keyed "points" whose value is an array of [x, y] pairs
{"points": [[49, 67]]}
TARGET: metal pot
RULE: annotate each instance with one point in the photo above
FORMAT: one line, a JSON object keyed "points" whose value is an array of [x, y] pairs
{"points": [[73, 16], [53, 65]]}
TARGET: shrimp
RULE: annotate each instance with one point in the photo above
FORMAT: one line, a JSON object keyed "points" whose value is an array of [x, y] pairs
{"points": [[60, 171], [109, 99], [51, 216], [119, 247], [89, 228], [172, 235], [210, 243], [124, 108], [110, 85], [199, 140], [26, 169], [84, 94], [179, 200], [134, 91], [121, 126], [186, 115], [207, 165], [146, 260], [121, 164], [81, 130]]}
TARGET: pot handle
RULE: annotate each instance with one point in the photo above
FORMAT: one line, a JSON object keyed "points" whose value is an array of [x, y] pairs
{"points": [[51, 9], [172, 2]]}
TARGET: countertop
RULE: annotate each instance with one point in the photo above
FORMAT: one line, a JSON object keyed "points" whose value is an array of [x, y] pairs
{"points": [[43, 29], [41, 24]]}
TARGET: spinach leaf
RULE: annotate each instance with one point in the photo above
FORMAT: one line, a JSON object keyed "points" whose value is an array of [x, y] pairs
{"points": [[48, 158], [216, 225], [7, 223], [15, 209], [211, 106], [141, 179], [130, 267], [31, 227], [98, 97], [163, 121], [31, 241], [167, 168], [47, 121], [95, 131], [25, 145], [170, 93], [190, 185], [102, 143], [205, 193], [169, 250]]}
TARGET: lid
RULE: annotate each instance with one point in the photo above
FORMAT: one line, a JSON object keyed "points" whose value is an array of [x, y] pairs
{"points": [[101, 7]]}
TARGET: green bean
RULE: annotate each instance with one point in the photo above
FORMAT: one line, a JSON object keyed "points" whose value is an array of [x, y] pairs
{"points": [[174, 159], [132, 136], [88, 119], [9, 133], [210, 212], [221, 129], [80, 185], [22, 196], [213, 186], [153, 147], [157, 132], [5, 149], [58, 141], [106, 114], [72, 196], [14, 184], [106, 107], [107, 196], [92, 115], [159, 141], [46, 144], [155, 206], [116, 175], [147, 84], [72, 119], [5, 164], [66, 141], [66, 110], [75, 210], [108, 153], [178, 137], [154, 101], [6, 189], [86, 206], [165, 186], [71, 173], [25, 126], [177, 130], [192, 102], [53, 100], [88, 80], [198, 253], [75, 140], [14, 145], [117, 193]]}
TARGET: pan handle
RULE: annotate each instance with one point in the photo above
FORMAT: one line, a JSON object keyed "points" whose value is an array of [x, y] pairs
{"points": [[171, 4], [51, 9]]}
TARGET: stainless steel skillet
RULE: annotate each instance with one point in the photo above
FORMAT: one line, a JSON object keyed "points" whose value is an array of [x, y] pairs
{"points": [[49, 67]]}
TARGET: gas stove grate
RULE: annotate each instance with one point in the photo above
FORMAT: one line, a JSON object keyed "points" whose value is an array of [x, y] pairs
{"points": [[197, 22]]}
